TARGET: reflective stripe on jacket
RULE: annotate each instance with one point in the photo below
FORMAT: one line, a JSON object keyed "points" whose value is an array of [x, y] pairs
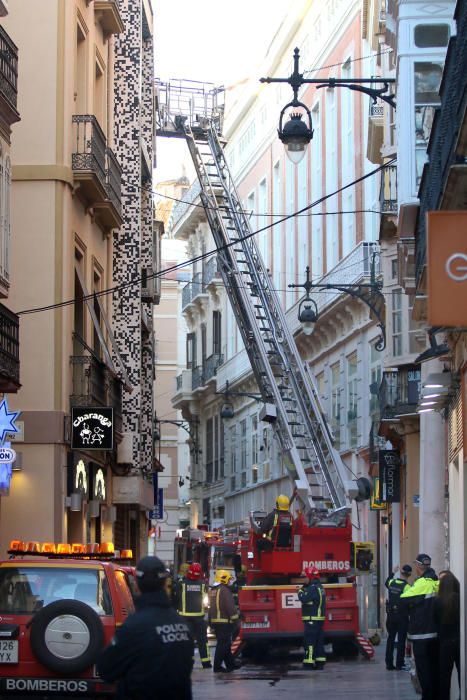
{"points": [[222, 607], [396, 586], [418, 600], [189, 598], [313, 599]]}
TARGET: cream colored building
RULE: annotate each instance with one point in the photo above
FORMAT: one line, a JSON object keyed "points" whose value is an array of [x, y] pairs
{"points": [[82, 220]]}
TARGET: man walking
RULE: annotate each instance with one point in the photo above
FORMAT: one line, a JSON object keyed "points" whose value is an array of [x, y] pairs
{"points": [[151, 654], [222, 617], [313, 599], [422, 633], [189, 597], [397, 619]]}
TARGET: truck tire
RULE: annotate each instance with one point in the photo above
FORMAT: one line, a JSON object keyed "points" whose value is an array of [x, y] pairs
{"points": [[66, 636]]}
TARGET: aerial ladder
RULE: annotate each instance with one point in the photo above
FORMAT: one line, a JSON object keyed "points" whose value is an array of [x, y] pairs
{"points": [[291, 401]]}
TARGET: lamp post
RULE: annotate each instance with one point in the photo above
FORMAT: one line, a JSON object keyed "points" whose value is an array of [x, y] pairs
{"points": [[296, 134], [370, 294], [190, 427], [227, 410]]}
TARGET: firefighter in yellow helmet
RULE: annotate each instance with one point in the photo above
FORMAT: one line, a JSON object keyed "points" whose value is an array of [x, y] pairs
{"points": [[223, 615], [277, 525]]}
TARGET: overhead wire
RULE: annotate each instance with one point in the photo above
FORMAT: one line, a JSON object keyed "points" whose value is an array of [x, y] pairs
{"points": [[206, 254]]}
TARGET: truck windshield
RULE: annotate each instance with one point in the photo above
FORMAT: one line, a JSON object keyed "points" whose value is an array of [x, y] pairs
{"points": [[25, 590]]}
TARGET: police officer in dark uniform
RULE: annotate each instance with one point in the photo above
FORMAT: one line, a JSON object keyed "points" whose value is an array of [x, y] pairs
{"points": [[151, 654], [397, 619], [190, 593], [313, 599]]}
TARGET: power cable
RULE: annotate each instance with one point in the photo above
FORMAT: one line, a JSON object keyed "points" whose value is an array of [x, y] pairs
{"points": [[130, 283]]}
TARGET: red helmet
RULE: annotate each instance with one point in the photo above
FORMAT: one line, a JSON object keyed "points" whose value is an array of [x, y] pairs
{"points": [[311, 572], [194, 571]]}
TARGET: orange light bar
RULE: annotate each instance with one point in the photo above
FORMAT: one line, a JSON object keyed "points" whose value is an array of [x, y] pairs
{"points": [[106, 548], [63, 548], [77, 548], [16, 546], [92, 548], [32, 547], [48, 548], [126, 554]]}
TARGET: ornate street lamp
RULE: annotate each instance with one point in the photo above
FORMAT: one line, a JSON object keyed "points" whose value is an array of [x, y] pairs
{"points": [[370, 294], [297, 134], [227, 410]]}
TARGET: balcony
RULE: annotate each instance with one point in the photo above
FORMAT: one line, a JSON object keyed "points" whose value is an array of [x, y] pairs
{"points": [[108, 14], [96, 171], [197, 378], [93, 384], [183, 389], [212, 363], [187, 295], [388, 190], [9, 351], [399, 393], [198, 285], [211, 271], [8, 77], [375, 132]]}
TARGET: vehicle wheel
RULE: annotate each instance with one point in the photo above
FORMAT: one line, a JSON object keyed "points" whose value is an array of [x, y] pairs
{"points": [[66, 636]]}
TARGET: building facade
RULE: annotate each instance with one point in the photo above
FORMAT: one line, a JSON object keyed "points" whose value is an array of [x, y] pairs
{"points": [[82, 181]]}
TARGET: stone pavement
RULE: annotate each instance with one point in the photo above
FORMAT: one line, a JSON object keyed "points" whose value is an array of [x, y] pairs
{"points": [[341, 679]]}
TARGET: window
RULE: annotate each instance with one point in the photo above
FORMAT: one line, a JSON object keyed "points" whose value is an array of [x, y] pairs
{"points": [[80, 70], [431, 35], [397, 322], [375, 381], [216, 333], [100, 94], [348, 155], [218, 432], [336, 402], [254, 449], [316, 193], [426, 85], [79, 324], [233, 458], [289, 226], [414, 329], [243, 452], [352, 396], [264, 449], [5, 187], [191, 351], [332, 234], [302, 219], [97, 310], [277, 230], [263, 221], [209, 450], [394, 269]]}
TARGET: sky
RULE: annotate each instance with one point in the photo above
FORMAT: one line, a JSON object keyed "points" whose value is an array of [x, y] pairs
{"points": [[220, 42]]}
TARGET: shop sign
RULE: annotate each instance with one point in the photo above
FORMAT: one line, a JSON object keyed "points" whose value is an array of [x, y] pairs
{"points": [[376, 500], [78, 475], [92, 428], [98, 492], [389, 469], [447, 268]]}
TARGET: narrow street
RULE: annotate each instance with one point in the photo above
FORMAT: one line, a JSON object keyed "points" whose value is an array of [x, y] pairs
{"points": [[354, 678]]}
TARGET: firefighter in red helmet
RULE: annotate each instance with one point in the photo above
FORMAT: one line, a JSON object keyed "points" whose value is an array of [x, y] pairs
{"points": [[313, 599], [190, 600]]}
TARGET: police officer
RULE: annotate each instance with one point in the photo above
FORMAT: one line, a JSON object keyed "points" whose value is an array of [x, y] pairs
{"points": [[422, 633], [223, 616], [151, 654], [189, 596], [313, 599], [396, 617]]}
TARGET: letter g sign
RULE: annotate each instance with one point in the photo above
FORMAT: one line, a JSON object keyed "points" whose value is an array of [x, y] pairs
{"points": [[456, 267]]}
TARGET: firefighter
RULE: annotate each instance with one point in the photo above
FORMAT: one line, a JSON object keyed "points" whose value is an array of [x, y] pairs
{"points": [[313, 599], [189, 596], [223, 615], [396, 617], [276, 527], [422, 633]]}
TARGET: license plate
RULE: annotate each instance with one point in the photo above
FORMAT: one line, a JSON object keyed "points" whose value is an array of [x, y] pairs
{"points": [[9, 651], [251, 625]]}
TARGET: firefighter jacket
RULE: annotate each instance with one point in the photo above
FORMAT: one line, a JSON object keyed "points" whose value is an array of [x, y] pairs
{"points": [[313, 599], [277, 526], [189, 596], [151, 654], [222, 607], [419, 600], [396, 586]]}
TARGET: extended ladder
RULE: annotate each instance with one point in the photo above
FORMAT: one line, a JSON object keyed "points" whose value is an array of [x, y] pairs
{"points": [[284, 380]]}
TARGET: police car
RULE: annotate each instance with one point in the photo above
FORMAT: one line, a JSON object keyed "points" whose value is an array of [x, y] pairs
{"points": [[59, 606]]}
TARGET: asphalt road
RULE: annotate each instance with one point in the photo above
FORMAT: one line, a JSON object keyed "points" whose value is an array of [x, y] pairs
{"points": [[282, 677]]}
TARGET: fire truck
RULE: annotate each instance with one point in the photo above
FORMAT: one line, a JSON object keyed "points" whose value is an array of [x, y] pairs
{"points": [[319, 479]]}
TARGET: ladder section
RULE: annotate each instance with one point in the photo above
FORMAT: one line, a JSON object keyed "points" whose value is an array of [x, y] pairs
{"points": [[313, 464]]}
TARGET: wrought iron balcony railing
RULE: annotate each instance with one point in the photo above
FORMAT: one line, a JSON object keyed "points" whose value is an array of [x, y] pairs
{"points": [[114, 180], [187, 295], [8, 69], [399, 392], [9, 350], [211, 365], [388, 191], [211, 270], [88, 157], [197, 377]]}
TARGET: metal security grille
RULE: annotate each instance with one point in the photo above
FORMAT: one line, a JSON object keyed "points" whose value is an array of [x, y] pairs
{"points": [[455, 421]]}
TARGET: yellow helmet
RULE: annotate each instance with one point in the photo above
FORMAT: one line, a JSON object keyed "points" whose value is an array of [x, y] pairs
{"points": [[282, 502], [222, 576]]}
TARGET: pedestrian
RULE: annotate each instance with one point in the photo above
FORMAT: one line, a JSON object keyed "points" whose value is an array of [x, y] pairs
{"points": [[313, 599], [189, 596], [223, 616], [447, 617], [151, 654], [396, 617], [422, 632]]}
